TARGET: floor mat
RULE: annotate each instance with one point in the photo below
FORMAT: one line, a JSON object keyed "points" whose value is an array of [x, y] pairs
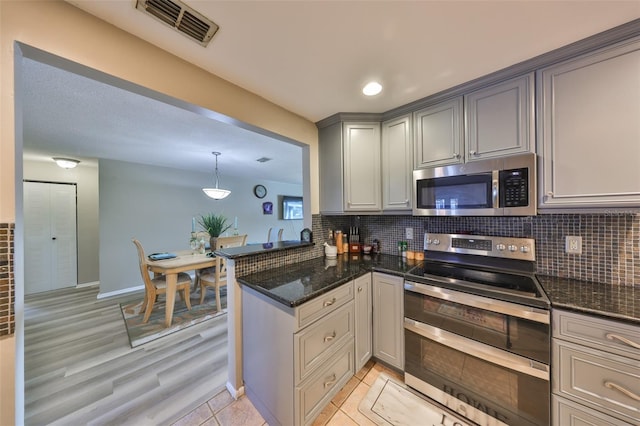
{"points": [[390, 402]]}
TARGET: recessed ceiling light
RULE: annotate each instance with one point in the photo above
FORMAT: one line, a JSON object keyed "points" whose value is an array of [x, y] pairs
{"points": [[66, 163], [372, 88]]}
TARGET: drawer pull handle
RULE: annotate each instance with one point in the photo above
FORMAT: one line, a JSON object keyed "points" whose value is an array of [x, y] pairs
{"points": [[619, 388], [359, 289], [331, 381], [330, 337], [624, 340], [329, 302]]}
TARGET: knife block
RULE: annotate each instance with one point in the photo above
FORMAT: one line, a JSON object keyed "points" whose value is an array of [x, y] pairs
{"points": [[355, 247]]}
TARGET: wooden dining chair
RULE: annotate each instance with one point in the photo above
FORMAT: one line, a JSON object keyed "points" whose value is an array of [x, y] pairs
{"points": [[158, 285], [272, 238], [218, 277]]}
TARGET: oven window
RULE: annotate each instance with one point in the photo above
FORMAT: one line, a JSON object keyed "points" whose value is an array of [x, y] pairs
{"points": [[523, 337], [461, 192], [512, 397]]}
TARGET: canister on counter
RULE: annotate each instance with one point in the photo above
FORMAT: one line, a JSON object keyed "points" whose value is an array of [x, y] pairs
{"points": [[339, 246]]}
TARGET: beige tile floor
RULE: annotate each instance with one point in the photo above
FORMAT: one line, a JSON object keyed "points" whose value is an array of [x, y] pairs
{"points": [[223, 410]]}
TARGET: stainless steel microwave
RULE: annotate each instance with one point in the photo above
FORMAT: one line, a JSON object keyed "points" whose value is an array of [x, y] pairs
{"points": [[503, 186]]}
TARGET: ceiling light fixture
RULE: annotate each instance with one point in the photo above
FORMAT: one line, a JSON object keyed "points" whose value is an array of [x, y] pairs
{"points": [[372, 88], [66, 163], [216, 193]]}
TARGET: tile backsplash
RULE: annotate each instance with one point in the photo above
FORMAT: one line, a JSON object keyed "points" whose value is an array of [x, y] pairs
{"points": [[7, 293], [610, 242]]}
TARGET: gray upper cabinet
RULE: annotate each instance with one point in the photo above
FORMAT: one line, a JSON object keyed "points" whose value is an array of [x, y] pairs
{"points": [[499, 119], [397, 164], [362, 167], [589, 129], [350, 167], [438, 134]]}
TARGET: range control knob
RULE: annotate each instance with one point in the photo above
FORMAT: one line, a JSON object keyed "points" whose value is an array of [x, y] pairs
{"points": [[525, 249], [501, 247], [436, 242], [513, 247]]}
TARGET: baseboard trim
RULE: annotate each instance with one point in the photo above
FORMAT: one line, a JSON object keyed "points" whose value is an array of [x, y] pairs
{"points": [[235, 393], [90, 284], [120, 292]]}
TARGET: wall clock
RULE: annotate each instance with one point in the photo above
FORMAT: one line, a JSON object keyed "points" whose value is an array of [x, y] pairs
{"points": [[260, 191]]}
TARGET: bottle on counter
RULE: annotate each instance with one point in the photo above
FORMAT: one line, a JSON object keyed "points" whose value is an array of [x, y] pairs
{"points": [[338, 236]]}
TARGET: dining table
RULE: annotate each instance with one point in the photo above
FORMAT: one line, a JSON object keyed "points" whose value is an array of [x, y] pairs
{"points": [[185, 260]]}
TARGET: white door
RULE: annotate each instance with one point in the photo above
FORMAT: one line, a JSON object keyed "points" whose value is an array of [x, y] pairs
{"points": [[50, 259]]}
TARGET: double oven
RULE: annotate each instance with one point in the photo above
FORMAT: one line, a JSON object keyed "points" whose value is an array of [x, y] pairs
{"points": [[477, 329]]}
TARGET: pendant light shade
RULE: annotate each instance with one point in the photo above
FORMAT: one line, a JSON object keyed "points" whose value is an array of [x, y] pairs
{"points": [[216, 193]]}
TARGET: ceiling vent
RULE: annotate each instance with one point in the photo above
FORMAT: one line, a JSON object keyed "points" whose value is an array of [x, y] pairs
{"points": [[180, 17], [263, 159]]}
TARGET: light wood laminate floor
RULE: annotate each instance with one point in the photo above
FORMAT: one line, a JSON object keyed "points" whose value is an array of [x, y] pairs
{"points": [[81, 370]]}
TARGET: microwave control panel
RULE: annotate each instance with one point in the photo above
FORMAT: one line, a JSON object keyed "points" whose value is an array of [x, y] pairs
{"points": [[514, 188]]}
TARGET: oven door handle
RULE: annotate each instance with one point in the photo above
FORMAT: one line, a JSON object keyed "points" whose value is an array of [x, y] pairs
{"points": [[479, 350], [480, 302]]}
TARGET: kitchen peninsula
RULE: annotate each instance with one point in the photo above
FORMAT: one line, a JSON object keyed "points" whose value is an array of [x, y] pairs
{"points": [[304, 327], [299, 325]]}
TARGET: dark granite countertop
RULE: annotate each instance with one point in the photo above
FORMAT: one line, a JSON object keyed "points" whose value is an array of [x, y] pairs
{"points": [[606, 300], [253, 249], [295, 284]]}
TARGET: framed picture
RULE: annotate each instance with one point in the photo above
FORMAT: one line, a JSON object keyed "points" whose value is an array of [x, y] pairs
{"points": [[267, 207]]}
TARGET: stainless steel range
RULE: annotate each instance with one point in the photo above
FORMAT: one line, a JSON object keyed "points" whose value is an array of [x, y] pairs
{"points": [[477, 329]]}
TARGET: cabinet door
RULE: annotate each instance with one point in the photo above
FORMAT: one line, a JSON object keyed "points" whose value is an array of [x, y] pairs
{"points": [[499, 119], [438, 134], [331, 171], [363, 329], [397, 164], [589, 131], [362, 167], [388, 332]]}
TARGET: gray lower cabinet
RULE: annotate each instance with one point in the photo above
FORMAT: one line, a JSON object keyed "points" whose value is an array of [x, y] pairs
{"points": [[588, 132], [388, 312], [596, 370], [296, 359], [364, 321]]}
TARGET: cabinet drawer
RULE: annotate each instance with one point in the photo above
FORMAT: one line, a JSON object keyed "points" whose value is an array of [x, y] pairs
{"points": [[604, 381], [566, 412], [324, 304], [316, 392], [607, 335], [316, 343]]}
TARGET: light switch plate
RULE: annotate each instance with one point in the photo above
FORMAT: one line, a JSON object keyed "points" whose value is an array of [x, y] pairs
{"points": [[573, 244]]}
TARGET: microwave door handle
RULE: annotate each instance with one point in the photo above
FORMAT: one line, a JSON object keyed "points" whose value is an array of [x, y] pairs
{"points": [[495, 175]]}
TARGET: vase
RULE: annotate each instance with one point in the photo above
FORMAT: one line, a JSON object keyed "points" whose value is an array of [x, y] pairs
{"points": [[213, 242]]}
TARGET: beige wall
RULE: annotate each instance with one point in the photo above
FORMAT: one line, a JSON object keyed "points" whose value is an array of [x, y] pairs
{"points": [[61, 29]]}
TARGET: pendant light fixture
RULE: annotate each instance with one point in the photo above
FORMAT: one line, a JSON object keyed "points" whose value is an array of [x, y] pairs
{"points": [[216, 193]]}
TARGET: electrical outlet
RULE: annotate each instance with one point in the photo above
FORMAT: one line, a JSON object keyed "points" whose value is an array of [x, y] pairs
{"points": [[573, 244], [409, 233]]}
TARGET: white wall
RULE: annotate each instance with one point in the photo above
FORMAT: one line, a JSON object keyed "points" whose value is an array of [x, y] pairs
{"points": [[156, 205]]}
